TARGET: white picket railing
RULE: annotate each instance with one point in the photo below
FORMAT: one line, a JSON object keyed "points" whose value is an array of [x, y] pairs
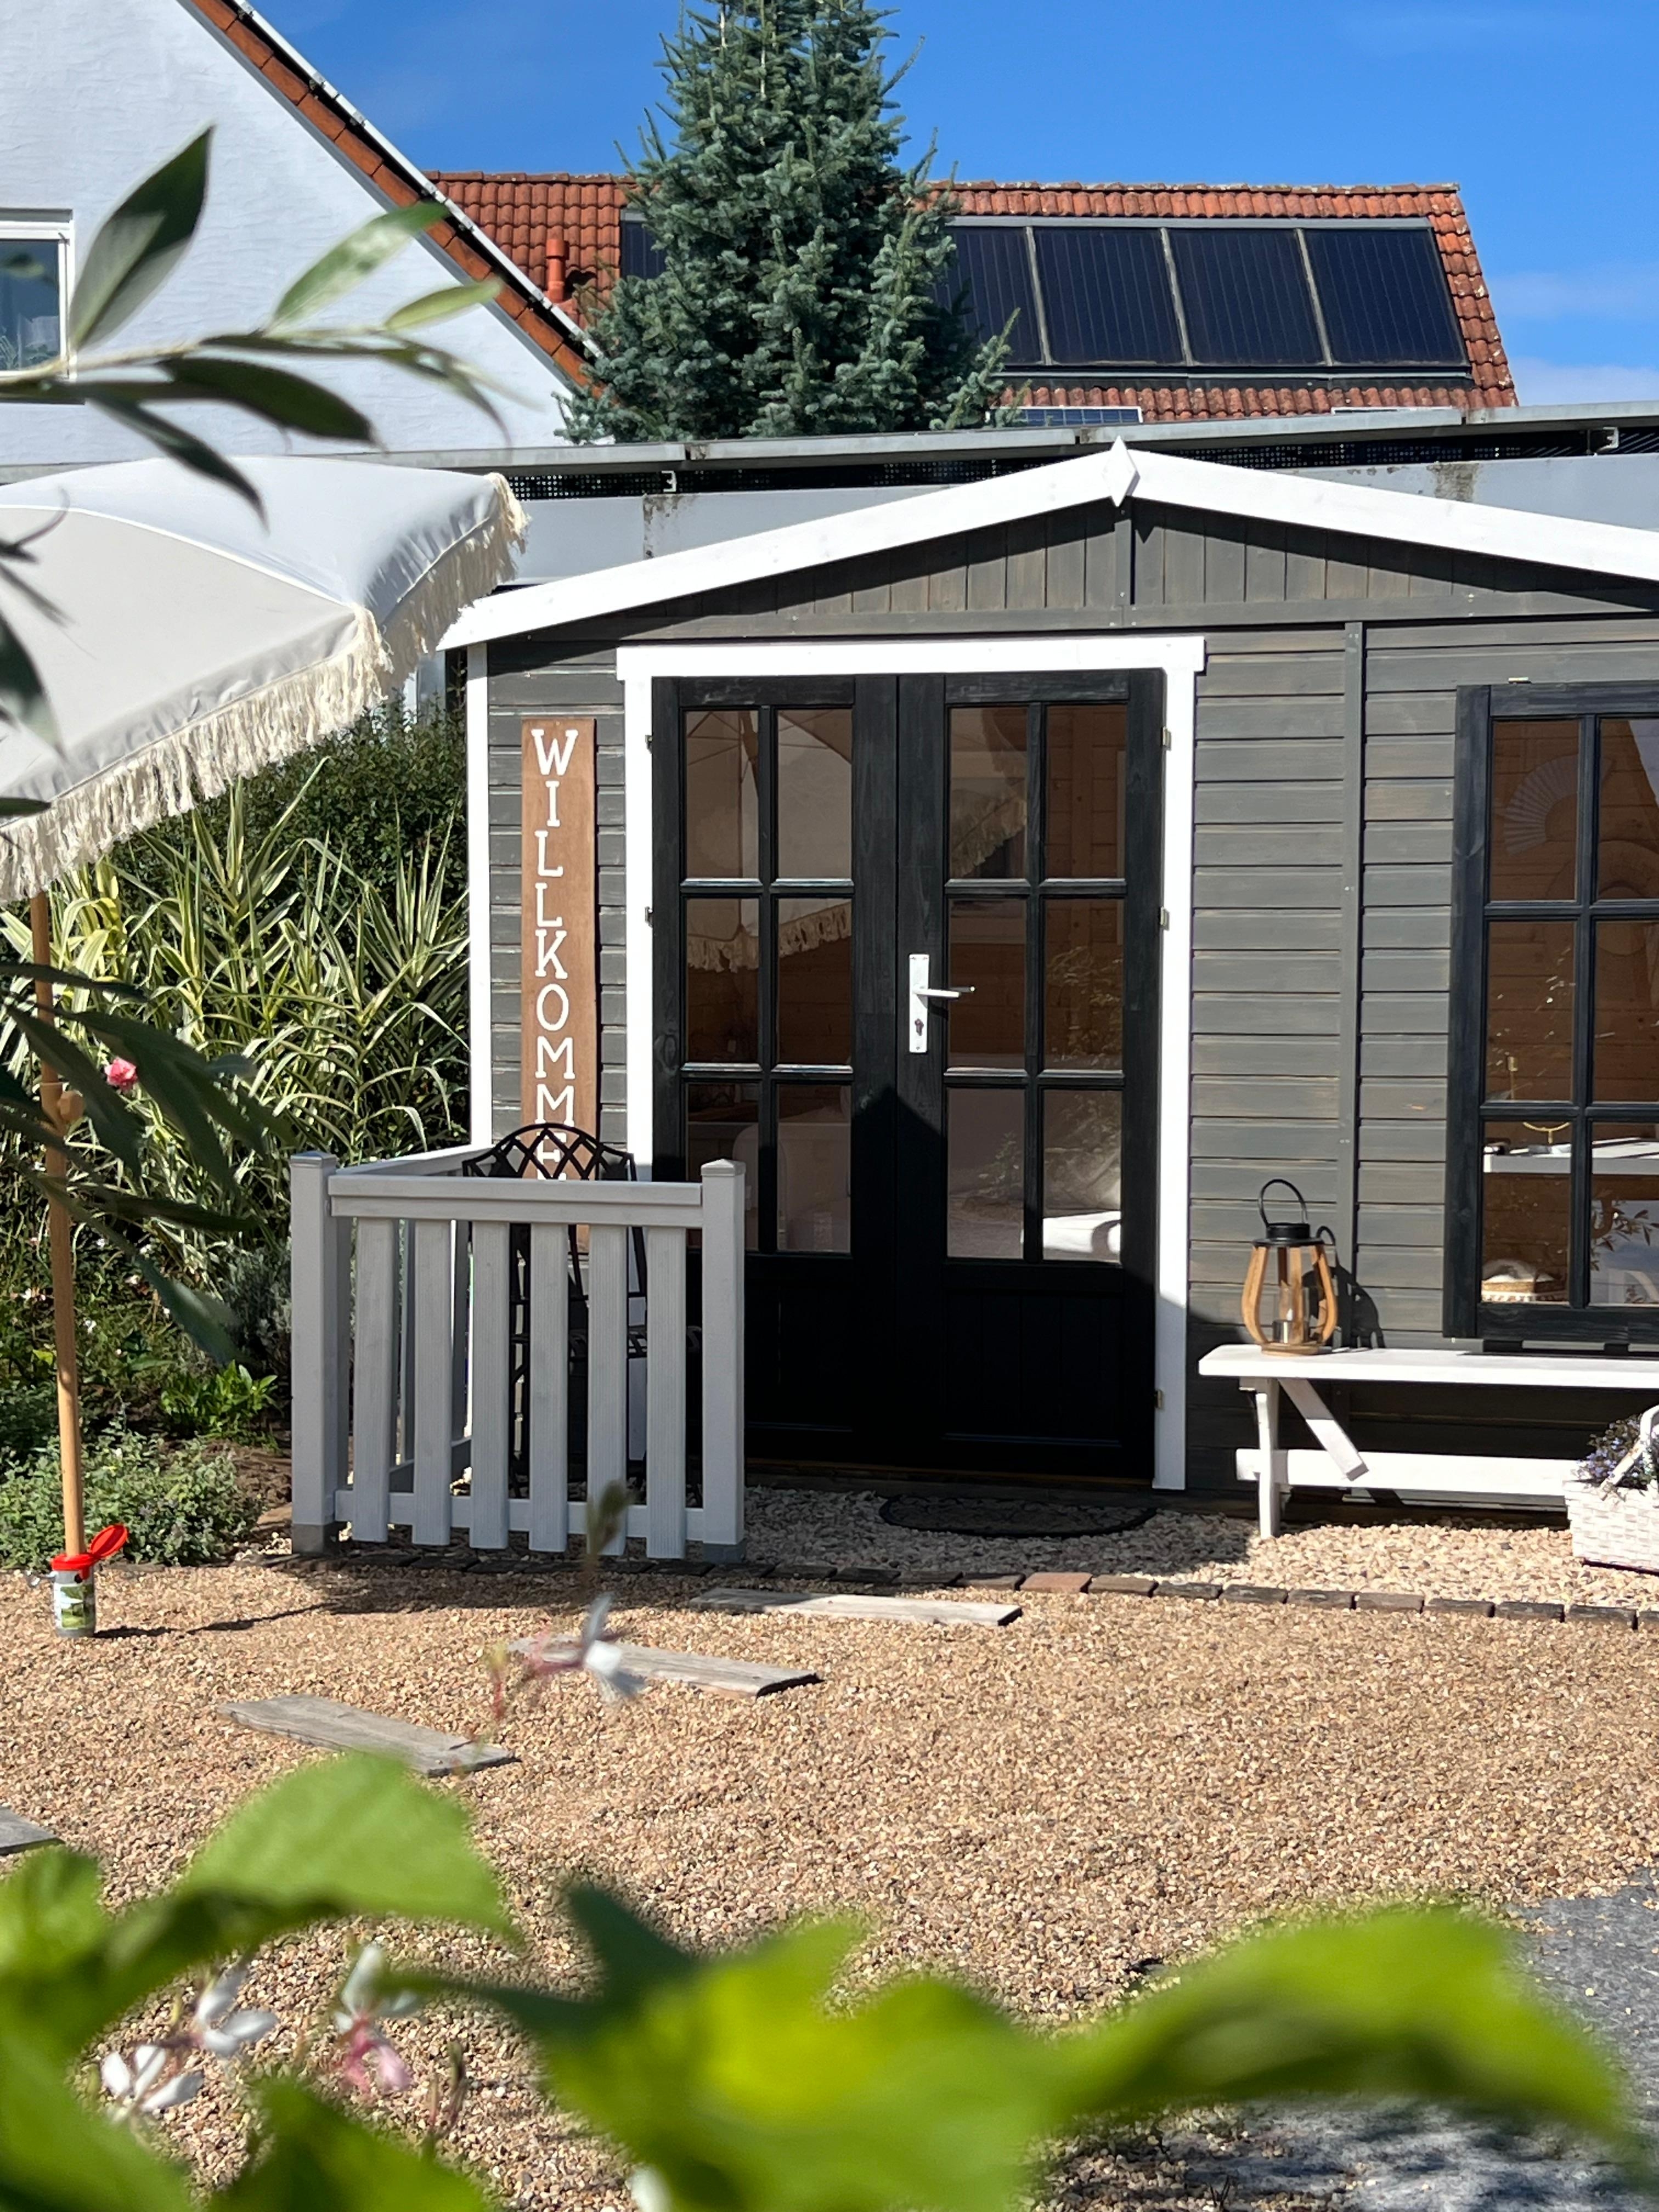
{"points": [[401, 1352]]}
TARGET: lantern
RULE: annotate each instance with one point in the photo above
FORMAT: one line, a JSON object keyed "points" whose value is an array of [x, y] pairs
{"points": [[1302, 1296]]}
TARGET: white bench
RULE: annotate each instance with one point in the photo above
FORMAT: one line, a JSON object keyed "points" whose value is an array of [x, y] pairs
{"points": [[1335, 1462]]}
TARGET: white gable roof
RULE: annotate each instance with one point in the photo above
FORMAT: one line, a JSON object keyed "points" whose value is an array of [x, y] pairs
{"points": [[1164, 479]]}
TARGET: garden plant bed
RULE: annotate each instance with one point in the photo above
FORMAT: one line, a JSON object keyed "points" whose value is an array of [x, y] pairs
{"points": [[1046, 1809]]}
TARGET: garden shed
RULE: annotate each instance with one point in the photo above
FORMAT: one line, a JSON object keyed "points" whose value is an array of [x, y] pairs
{"points": [[1013, 879]]}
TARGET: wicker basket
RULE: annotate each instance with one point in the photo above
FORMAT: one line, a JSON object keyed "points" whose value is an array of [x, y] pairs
{"points": [[1615, 1527]]}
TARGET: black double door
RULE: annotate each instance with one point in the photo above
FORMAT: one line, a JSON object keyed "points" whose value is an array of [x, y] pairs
{"points": [[906, 956]]}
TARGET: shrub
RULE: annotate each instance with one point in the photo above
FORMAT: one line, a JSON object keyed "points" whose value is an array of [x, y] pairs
{"points": [[183, 1507], [1607, 1450]]}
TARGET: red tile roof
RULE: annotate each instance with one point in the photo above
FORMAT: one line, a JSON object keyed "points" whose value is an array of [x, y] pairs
{"points": [[562, 230], [523, 297]]}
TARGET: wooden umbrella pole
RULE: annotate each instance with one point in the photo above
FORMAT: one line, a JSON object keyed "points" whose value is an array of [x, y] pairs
{"points": [[62, 1256]]}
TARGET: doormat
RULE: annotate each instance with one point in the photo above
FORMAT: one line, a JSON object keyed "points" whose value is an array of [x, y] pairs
{"points": [[1015, 1517]]}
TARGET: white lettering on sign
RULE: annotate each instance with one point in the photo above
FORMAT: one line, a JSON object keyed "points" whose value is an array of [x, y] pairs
{"points": [[559, 956]]}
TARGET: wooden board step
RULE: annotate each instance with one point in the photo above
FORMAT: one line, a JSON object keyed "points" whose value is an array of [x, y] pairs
{"points": [[335, 1727], [703, 1670], [17, 1834], [936, 1612]]}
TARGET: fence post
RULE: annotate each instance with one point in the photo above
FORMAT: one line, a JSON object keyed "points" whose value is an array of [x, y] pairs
{"points": [[319, 1283], [723, 1470]]}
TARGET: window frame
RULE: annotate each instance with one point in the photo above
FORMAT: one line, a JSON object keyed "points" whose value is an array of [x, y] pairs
{"points": [[1465, 1314], [1035, 1078], [674, 702], [19, 223]]}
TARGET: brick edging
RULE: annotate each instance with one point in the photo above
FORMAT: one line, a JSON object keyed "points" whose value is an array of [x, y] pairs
{"points": [[1038, 1582]]}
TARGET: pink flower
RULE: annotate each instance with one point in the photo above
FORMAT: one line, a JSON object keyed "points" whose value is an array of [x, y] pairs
{"points": [[121, 1075], [368, 2061]]}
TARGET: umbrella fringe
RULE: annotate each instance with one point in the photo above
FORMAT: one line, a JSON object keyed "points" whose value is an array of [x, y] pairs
{"points": [[290, 716]]}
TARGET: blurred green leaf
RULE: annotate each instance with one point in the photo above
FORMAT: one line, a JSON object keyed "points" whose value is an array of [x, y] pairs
{"points": [[439, 307], [140, 246], [344, 266], [357, 1835], [730, 2079], [318, 2159], [275, 395], [205, 1320], [18, 809], [339, 1840], [51, 1913], [57, 2156], [1422, 2004]]}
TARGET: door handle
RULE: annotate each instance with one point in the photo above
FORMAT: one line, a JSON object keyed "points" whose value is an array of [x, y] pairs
{"points": [[924, 995]]}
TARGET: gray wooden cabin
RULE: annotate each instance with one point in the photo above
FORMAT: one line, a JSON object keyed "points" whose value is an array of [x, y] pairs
{"points": [[1362, 742]]}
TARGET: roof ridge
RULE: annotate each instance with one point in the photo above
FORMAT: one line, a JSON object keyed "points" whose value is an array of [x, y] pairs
{"points": [[1077, 184], [464, 242]]}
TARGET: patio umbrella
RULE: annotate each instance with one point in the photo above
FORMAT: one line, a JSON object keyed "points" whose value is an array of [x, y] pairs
{"points": [[183, 639]]}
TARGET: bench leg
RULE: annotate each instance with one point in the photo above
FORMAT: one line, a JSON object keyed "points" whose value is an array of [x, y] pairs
{"points": [[1267, 1433]]}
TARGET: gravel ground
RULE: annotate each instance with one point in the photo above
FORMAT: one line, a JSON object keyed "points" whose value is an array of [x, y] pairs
{"points": [[1441, 1555], [1044, 1809]]}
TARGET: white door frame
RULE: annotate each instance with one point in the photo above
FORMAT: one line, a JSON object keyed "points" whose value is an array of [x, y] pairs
{"points": [[1179, 661]]}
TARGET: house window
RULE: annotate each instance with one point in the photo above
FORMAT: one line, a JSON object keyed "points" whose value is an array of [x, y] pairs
{"points": [[1553, 1157], [32, 285]]}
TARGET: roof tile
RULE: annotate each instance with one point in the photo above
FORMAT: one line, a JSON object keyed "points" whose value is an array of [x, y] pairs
{"points": [[329, 114], [521, 211]]}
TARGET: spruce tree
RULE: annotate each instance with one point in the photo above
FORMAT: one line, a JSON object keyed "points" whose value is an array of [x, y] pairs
{"points": [[804, 260]]}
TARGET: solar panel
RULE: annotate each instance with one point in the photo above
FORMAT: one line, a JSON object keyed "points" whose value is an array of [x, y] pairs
{"points": [[1106, 295], [1246, 297], [641, 256], [1383, 291], [994, 270]]}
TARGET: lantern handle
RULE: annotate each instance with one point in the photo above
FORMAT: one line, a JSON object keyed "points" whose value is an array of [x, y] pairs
{"points": [[1284, 1181]]}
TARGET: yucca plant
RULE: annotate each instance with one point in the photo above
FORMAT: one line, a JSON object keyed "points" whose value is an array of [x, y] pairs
{"points": [[253, 922]]}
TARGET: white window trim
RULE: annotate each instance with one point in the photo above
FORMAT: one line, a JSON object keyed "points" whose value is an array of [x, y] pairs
{"points": [[60, 228], [1180, 660], [481, 1116]]}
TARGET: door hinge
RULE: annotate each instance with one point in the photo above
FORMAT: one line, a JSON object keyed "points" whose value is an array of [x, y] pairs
{"points": [[1158, 1400], [1168, 741], [1163, 917]]}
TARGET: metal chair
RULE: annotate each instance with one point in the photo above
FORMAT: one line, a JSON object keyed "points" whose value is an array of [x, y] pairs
{"points": [[556, 1150]]}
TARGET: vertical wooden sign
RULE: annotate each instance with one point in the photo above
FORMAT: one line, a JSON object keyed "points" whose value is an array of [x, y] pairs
{"points": [[559, 927]]}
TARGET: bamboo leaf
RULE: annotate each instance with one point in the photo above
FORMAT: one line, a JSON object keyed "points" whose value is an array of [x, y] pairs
{"points": [[140, 245], [275, 395], [176, 442], [344, 266], [439, 307]]}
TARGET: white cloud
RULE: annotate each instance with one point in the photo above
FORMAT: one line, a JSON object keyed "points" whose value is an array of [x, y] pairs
{"points": [[1391, 33], [1619, 291], [1551, 383]]}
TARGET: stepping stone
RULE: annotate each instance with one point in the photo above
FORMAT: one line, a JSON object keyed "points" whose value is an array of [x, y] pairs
{"points": [[335, 1727], [703, 1670], [935, 1611], [17, 1834]]}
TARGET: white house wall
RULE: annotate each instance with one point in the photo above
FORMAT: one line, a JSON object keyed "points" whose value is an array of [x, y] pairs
{"points": [[96, 94]]}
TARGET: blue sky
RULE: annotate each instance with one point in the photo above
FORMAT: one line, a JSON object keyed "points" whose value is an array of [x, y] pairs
{"points": [[1542, 112]]}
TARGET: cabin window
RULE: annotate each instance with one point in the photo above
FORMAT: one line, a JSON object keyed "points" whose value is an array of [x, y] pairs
{"points": [[32, 278], [1554, 1140]]}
